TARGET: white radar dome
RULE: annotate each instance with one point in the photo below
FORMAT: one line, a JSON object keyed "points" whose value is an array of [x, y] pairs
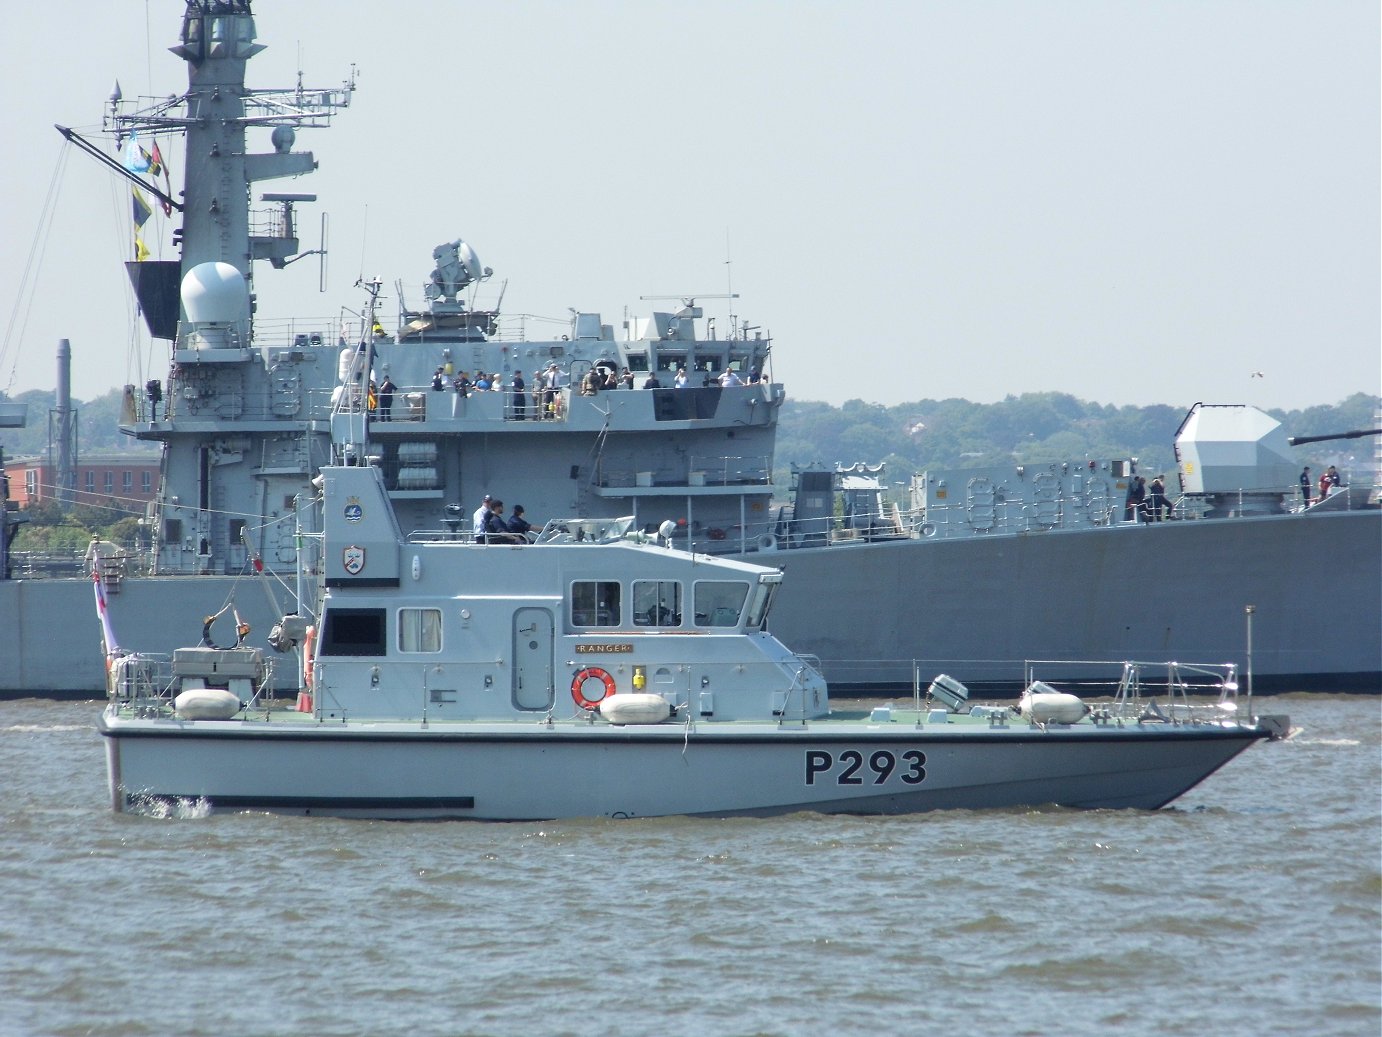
{"points": [[216, 293]]}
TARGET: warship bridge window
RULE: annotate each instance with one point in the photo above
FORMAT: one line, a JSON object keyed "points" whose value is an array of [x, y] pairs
{"points": [[719, 603], [419, 630], [353, 632], [595, 603], [656, 603]]}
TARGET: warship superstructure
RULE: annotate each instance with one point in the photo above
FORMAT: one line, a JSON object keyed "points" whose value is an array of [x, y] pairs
{"points": [[668, 420]]}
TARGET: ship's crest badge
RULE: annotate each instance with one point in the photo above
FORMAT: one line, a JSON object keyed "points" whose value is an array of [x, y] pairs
{"points": [[353, 558]]}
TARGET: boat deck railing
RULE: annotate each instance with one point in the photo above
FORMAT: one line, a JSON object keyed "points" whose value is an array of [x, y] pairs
{"points": [[146, 684], [1139, 684]]}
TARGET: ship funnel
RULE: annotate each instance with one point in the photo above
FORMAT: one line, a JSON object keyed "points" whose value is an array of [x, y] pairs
{"points": [[216, 299]]}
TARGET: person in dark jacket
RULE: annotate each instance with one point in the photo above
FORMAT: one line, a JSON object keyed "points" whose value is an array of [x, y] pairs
{"points": [[518, 524]]}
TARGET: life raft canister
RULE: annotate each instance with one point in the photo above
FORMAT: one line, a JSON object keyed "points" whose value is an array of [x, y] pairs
{"points": [[589, 674]]}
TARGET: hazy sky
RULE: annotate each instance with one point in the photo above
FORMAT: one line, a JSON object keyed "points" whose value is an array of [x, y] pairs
{"points": [[1131, 202]]}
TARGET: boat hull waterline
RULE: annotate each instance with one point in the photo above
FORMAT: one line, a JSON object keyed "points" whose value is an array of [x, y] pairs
{"points": [[496, 773]]}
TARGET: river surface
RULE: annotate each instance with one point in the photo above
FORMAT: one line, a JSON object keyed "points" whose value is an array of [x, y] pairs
{"points": [[1251, 907]]}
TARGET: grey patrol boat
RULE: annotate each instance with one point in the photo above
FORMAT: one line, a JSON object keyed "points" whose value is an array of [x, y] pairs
{"points": [[592, 674], [976, 572]]}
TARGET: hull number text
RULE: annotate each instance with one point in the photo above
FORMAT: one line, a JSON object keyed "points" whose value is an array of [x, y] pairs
{"points": [[853, 767]]}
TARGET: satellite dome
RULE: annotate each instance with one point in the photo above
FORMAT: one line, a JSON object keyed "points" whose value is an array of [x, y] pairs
{"points": [[216, 293]]}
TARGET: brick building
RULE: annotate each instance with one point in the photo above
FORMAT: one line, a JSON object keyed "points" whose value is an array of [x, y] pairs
{"points": [[131, 479]]}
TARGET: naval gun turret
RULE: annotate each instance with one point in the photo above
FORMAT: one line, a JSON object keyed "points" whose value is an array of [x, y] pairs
{"points": [[1235, 459]]}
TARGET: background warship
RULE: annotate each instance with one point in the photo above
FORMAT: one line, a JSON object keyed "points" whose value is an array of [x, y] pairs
{"points": [[975, 573]]}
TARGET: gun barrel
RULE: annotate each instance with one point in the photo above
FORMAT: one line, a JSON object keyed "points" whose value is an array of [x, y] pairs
{"points": [[1355, 434]]}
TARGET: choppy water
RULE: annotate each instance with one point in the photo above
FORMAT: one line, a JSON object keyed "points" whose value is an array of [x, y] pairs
{"points": [[1253, 907]]}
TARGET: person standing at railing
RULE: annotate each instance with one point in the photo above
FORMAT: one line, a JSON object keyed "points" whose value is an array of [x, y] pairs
{"points": [[479, 522], [1157, 505], [1305, 487], [520, 397], [539, 393], [556, 380], [1137, 496], [517, 524], [385, 396]]}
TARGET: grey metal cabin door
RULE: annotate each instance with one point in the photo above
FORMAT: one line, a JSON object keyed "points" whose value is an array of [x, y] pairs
{"points": [[532, 659]]}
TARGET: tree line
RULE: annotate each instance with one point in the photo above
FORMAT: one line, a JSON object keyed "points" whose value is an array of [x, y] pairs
{"points": [[1032, 428]]}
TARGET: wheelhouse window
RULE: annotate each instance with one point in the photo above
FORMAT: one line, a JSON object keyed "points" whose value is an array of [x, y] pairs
{"points": [[595, 603], [353, 632], [656, 603], [419, 630], [719, 603], [759, 604]]}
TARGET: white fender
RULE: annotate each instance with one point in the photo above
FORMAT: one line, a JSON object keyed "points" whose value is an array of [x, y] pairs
{"points": [[634, 708], [1043, 704], [206, 704]]}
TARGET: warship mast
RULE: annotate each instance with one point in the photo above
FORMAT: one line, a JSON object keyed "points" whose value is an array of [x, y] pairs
{"points": [[238, 430]]}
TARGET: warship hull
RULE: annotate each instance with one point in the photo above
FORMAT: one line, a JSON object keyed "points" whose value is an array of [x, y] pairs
{"points": [[872, 612]]}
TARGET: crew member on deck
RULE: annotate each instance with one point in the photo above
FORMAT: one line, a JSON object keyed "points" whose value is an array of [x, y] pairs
{"points": [[480, 520], [518, 524]]}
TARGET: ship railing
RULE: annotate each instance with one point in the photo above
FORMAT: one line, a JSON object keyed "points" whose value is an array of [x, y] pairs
{"points": [[804, 667], [142, 680], [1134, 694], [413, 403], [53, 563], [1007, 518], [285, 335], [755, 470], [862, 527], [442, 536]]}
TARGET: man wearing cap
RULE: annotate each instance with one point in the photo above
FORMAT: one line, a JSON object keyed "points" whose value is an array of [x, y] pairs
{"points": [[481, 520]]}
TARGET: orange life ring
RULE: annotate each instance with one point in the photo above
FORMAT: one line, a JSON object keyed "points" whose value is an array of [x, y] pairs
{"points": [[591, 673], [309, 643]]}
